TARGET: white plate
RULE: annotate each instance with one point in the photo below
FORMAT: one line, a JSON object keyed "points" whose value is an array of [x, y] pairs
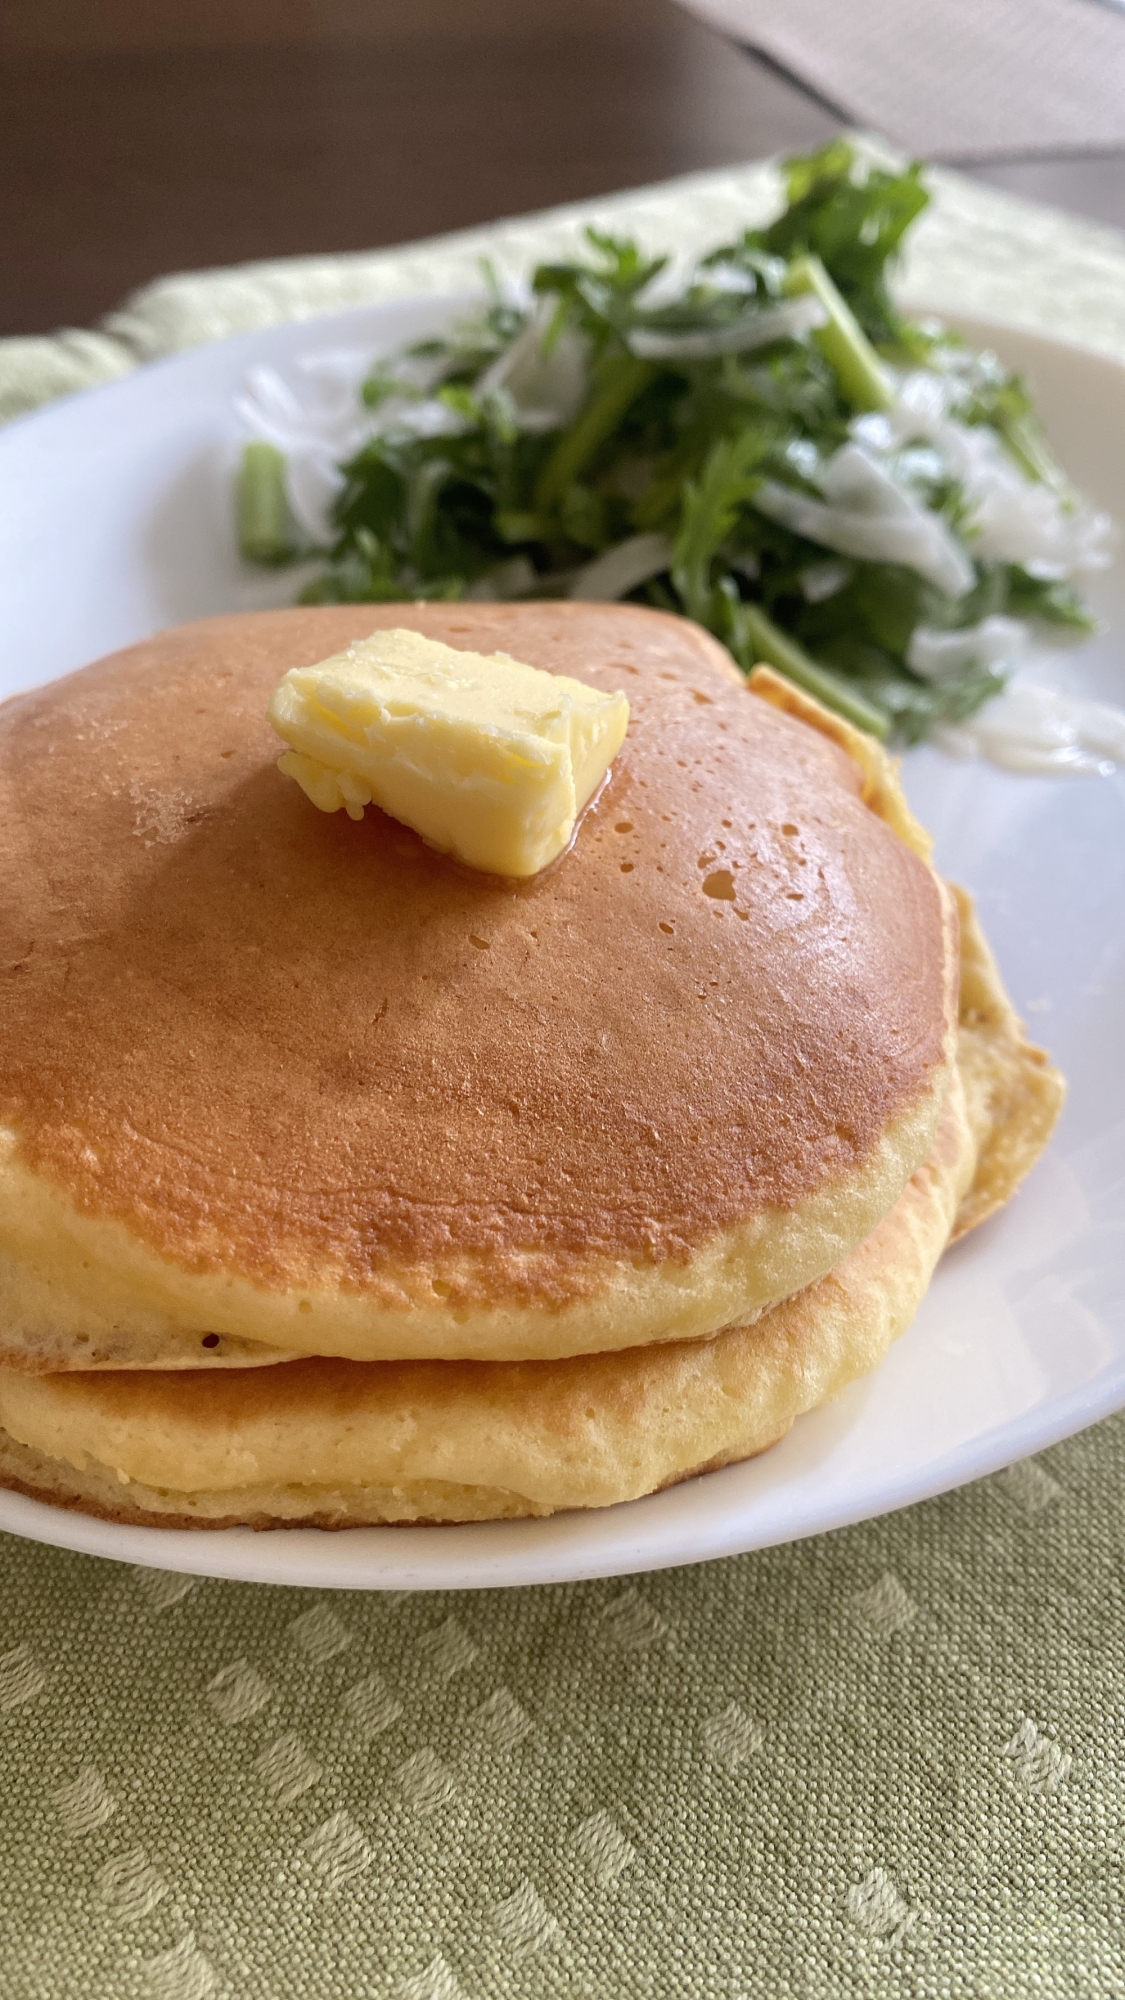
{"points": [[113, 523]]}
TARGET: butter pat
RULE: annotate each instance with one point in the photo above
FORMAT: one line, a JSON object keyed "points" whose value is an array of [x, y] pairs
{"points": [[486, 758]]}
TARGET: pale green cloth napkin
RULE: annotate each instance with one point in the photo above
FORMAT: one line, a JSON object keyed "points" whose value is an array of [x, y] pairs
{"points": [[885, 1765], [976, 250]]}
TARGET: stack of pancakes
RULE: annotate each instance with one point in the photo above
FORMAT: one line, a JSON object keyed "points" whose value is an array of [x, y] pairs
{"points": [[340, 1183]]}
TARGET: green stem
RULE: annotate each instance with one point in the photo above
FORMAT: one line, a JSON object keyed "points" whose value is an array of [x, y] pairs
{"points": [[765, 642], [1028, 447], [620, 382], [863, 379], [517, 527], [265, 530]]}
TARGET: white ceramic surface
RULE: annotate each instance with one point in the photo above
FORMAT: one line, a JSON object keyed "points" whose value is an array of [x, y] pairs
{"points": [[114, 521]]}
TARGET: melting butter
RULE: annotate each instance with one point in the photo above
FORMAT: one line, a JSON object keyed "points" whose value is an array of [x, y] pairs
{"points": [[488, 759]]}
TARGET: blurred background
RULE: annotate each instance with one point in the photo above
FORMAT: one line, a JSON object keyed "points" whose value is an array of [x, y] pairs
{"points": [[145, 136]]}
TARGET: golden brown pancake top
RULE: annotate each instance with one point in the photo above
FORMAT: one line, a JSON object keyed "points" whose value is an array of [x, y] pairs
{"points": [[274, 1040]]}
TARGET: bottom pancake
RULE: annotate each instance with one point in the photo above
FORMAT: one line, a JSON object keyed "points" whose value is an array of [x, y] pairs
{"points": [[339, 1443]]}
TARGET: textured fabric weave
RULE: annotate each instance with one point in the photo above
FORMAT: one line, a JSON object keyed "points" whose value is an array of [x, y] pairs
{"points": [[886, 1764]]}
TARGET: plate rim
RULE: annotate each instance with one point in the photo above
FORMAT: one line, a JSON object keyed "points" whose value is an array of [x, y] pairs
{"points": [[148, 370], [515, 1555]]}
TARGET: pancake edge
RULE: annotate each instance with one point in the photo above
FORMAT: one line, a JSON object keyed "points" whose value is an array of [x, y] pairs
{"points": [[577, 1434]]}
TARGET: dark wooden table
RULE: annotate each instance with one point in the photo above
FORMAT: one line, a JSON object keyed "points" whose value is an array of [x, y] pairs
{"points": [[143, 136]]}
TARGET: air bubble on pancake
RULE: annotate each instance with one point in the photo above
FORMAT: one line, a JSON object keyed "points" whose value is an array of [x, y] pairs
{"points": [[441, 1286], [480, 944], [720, 885], [668, 929], [623, 826], [626, 868]]}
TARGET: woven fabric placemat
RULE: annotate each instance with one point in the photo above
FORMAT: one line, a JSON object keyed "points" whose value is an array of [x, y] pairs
{"points": [[887, 1763], [884, 1763]]}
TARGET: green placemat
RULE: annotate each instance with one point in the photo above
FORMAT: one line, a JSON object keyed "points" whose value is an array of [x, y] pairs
{"points": [[889, 1762]]}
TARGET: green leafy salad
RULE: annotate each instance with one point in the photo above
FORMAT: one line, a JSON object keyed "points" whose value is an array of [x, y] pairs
{"points": [[767, 446]]}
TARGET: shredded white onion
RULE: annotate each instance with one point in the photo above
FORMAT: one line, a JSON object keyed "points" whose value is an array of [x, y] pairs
{"points": [[787, 321], [546, 389], [1041, 732], [871, 516], [314, 415], [823, 580], [515, 578], [923, 401], [942, 656], [867, 511], [1012, 517], [1019, 520], [622, 568]]}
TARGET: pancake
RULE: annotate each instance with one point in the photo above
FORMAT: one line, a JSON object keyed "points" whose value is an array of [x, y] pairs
{"points": [[338, 1443], [332, 1443], [1013, 1092], [273, 1078]]}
